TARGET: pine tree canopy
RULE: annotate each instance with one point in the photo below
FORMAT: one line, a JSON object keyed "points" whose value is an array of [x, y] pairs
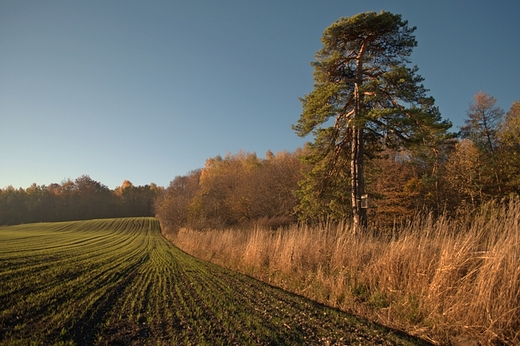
{"points": [[366, 96]]}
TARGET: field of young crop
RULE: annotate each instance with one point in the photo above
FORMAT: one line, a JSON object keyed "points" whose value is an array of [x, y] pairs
{"points": [[119, 282]]}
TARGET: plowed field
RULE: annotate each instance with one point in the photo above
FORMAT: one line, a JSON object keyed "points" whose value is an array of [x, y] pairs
{"points": [[119, 282]]}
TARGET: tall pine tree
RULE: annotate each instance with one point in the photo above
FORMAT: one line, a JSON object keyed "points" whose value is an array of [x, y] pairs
{"points": [[365, 97]]}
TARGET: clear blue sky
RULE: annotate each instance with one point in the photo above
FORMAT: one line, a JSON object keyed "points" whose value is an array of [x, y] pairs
{"points": [[148, 90]]}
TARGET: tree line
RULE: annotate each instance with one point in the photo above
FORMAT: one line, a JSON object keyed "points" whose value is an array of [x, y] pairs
{"points": [[478, 164], [233, 190], [83, 198]]}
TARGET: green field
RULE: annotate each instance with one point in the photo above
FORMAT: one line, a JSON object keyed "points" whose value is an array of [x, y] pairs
{"points": [[118, 281]]}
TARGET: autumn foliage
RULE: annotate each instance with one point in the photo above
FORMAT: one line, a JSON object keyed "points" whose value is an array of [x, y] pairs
{"points": [[83, 198], [234, 190]]}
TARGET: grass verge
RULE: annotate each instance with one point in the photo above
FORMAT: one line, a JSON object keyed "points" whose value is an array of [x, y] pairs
{"points": [[452, 282]]}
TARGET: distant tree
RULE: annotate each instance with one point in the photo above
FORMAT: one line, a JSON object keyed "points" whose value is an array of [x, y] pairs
{"points": [[172, 206], [509, 148], [363, 83], [394, 188], [237, 178], [13, 209], [208, 209], [93, 198], [273, 185], [126, 184], [226, 194], [482, 123], [468, 176], [69, 200], [133, 200], [481, 128], [38, 202], [54, 202], [129, 199]]}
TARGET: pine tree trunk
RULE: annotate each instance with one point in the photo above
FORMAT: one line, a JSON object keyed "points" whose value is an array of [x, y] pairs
{"points": [[356, 157], [357, 182]]}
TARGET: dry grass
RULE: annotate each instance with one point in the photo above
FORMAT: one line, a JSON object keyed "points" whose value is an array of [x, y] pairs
{"points": [[453, 282]]}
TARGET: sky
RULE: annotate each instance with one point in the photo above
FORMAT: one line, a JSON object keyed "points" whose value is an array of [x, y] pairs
{"points": [[148, 90]]}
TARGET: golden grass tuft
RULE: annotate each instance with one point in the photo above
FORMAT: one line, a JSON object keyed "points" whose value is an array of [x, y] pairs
{"points": [[450, 281]]}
